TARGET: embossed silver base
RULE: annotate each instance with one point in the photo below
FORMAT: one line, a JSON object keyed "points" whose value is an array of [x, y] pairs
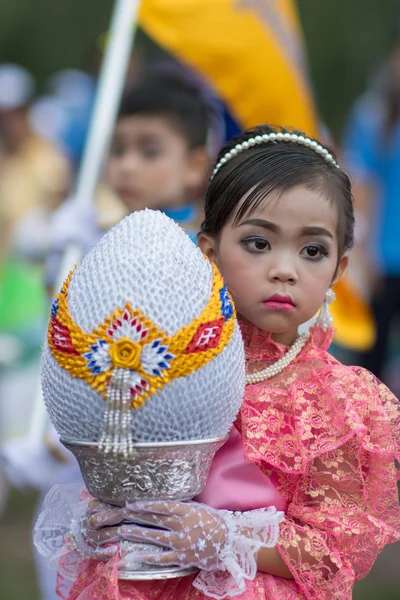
{"points": [[132, 569], [167, 573], [164, 470]]}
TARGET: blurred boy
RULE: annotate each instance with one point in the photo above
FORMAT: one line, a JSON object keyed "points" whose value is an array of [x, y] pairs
{"points": [[158, 159], [158, 156]]}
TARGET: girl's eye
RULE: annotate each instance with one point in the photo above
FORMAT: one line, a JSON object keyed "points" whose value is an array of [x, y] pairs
{"points": [[255, 244], [314, 252]]}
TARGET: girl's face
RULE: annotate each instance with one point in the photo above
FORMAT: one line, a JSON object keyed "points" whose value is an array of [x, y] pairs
{"points": [[279, 260]]}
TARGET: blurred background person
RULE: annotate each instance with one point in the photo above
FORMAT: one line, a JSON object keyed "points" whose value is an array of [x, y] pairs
{"points": [[34, 180], [372, 152], [35, 176], [159, 158]]}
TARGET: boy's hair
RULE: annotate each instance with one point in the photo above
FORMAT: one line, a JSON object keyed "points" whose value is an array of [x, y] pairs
{"points": [[270, 170], [170, 95]]}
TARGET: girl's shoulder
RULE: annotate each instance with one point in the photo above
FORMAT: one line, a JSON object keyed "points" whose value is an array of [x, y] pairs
{"points": [[352, 392], [317, 406]]}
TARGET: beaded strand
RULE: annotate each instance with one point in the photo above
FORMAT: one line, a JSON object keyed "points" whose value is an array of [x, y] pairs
{"points": [[280, 364], [275, 137]]}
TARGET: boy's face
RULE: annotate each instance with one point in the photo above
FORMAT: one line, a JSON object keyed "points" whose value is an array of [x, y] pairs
{"points": [[150, 164]]}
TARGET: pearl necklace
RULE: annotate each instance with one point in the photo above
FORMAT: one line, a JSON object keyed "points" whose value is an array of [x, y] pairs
{"points": [[280, 364]]}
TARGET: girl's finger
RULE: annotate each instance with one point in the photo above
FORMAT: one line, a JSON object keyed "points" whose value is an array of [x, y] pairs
{"points": [[96, 505], [106, 518], [148, 518], [104, 554], [101, 537], [163, 558], [132, 533], [161, 508]]}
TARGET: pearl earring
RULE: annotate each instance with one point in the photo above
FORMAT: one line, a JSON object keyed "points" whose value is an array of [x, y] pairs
{"points": [[324, 318]]}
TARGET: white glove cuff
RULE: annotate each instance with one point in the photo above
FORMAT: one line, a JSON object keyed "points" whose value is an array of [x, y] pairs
{"points": [[248, 532]]}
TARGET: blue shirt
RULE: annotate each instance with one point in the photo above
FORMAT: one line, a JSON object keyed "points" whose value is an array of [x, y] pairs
{"points": [[187, 217], [370, 153]]}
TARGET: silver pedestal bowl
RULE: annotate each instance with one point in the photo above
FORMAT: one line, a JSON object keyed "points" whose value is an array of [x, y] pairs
{"points": [[154, 471]]}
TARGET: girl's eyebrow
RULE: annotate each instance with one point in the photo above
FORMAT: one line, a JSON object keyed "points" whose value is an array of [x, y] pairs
{"points": [[305, 232], [262, 223]]}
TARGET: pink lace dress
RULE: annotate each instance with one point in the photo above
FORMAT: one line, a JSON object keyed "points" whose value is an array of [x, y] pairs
{"points": [[327, 437]]}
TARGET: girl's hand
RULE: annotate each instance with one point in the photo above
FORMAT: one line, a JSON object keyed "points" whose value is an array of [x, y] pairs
{"points": [[224, 545], [192, 534], [196, 535]]}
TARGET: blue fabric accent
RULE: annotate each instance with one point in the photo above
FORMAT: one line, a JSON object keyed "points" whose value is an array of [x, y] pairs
{"points": [[226, 304], [186, 216], [372, 154], [54, 308], [181, 214], [193, 236], [231, 126]]}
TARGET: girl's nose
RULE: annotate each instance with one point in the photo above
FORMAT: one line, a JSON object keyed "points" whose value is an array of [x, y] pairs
{"points": [[283, 269]]}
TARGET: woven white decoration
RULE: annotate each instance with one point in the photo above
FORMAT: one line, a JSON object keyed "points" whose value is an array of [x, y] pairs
{"points": [[148, 261]]}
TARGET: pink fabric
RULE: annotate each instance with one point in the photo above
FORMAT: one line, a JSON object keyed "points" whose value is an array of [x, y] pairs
{"points": [[326, 436], [235, 483]]}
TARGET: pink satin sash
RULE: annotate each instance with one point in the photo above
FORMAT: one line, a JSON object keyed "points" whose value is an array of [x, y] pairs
{"points": [[235, 483]]}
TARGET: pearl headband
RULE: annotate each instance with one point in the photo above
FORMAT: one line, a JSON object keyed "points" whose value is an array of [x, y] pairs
{"points": [[276, 137]]}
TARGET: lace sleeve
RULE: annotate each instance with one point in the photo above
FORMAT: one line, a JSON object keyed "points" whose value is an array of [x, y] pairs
{"points": [[344, 511]]}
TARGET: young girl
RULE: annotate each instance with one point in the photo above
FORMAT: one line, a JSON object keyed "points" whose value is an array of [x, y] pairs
{"points": [[279, 223]]}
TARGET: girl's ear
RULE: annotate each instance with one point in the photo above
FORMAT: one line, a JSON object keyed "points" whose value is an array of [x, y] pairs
{"points": [[341, 269], [207, 245]]}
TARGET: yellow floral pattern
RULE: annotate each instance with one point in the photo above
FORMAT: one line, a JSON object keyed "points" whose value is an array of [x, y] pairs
{"points": [[128, 339], [125, 354]]}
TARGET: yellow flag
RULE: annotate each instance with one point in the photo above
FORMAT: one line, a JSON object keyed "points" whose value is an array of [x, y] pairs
{"points": [[352, 317], [250, 51]]}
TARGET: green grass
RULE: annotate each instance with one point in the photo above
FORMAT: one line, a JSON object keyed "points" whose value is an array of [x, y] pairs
{"points": [[17, 569]]}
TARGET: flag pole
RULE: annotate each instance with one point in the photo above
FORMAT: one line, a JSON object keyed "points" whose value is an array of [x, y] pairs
{"points": [[110, 88]]}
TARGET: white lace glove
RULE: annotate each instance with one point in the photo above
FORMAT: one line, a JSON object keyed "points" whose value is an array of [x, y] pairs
{"points": [[224, 545]]}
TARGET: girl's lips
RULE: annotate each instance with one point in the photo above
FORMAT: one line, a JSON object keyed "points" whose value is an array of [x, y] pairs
{"points": [[285, 306], [280, 302]]}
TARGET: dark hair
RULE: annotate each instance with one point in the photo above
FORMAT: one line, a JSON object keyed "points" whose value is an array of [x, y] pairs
{"points": [[170, 95], [275, 168]]}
